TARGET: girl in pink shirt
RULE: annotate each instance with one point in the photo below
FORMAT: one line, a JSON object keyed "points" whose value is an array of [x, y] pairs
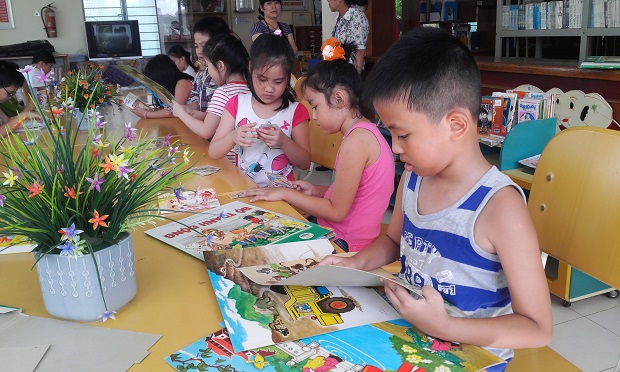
{"points": [[355, 203]]}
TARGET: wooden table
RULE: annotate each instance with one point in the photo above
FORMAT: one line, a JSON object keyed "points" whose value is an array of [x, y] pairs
{"points": [[174, 297]]}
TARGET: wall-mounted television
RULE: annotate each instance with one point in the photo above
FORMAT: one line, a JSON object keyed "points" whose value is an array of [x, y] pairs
{"points": [[112, 39]]}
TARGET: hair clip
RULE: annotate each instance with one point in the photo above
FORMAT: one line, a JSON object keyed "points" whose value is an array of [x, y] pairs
{"points": [[332, 50], [278, 32]]}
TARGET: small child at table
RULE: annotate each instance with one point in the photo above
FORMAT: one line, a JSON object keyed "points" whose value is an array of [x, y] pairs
{"points": [[355, 203], [460, 228], [267, 127]]}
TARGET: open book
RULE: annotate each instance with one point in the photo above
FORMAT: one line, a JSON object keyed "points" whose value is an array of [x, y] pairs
{"points": [[531, 162], [162, 93]]}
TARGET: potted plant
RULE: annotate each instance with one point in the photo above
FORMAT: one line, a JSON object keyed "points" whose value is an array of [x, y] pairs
{"points": [[76, 196]]}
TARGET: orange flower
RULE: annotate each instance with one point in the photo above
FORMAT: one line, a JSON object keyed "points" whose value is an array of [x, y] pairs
{"points": [[98, 220], [57, 111], [108, 165], [86, 95], [69, 72], [100, 65], [332, 49], [71, 192], [101, 100], [35, 189]]}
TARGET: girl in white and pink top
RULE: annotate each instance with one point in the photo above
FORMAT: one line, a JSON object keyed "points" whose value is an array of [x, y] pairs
{"points": [[268, 128], [227, 63], [354, 204]]}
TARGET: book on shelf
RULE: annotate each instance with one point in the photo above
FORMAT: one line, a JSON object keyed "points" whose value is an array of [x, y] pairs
{"points": [[450, 11], [603, 62], [528, 109]]}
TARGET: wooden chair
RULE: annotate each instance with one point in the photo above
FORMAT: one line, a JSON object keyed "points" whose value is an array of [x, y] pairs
{"points": [[324, 147], [575, 203]]}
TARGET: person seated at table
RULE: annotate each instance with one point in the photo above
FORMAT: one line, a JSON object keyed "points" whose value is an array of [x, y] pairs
{"points": [[42, 62], [227, 62], [204, 86], [354, 204], [183, 59], [164, 72], [269, 11], [448, 229], [267, 127], [10, 81]]}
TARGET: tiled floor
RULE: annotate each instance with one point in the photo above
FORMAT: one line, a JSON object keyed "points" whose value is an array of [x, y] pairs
{"points": [[587, 333]]}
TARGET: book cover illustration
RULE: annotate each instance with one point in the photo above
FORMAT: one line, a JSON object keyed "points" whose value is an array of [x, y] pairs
{"points": [[162, 93], [234, 225], [279, 180], [265, 315], [528, 109], [435, 14], [15, 244], [510, 108], [306, 272], [450, 11], [188, 200], [383, 346]]}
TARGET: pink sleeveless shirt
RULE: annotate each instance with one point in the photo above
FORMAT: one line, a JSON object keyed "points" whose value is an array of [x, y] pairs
{"points": [[363, 222]]}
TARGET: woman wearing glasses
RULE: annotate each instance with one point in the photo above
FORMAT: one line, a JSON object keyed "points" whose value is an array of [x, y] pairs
{"points": [[10, 81]]}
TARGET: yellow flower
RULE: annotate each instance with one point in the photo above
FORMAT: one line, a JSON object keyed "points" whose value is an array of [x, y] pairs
{"points": [[10, 178]]}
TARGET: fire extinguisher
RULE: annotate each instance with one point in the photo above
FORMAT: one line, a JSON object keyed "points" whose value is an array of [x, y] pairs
{"points": [[48, 15]]}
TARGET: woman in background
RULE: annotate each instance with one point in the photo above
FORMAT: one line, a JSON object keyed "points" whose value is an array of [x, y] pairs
{"points": [[269, 11], [164, 72], [182, 59], [351, 27]]}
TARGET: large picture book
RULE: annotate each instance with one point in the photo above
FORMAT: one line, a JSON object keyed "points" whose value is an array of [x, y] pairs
{"points": [[234, 225], [385, 346], [262, 315], [162, 93]]}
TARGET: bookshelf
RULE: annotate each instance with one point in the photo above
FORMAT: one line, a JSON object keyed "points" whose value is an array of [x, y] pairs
{"points": [[176, 19], [534, 30]]}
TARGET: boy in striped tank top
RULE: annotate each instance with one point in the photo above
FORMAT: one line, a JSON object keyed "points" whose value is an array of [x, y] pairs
{"points": [[460, 228]]}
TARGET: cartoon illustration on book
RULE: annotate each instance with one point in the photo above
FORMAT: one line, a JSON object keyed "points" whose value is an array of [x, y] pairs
{"points": [[188, 200], [234, 225], [265, 315], [385, 346]]}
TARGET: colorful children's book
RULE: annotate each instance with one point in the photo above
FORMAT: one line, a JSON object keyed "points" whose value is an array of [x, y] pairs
{"points": [[188, 200], [510, 108], [450, 11], [266, 315], [15, 244], [234, 225], [528, 109], [278, 180], [205, 170], [384, 346], [494, 107]]}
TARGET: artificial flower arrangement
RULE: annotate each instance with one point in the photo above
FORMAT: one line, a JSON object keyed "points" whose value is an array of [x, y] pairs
{"points": [[85, 88], [73, 194]]}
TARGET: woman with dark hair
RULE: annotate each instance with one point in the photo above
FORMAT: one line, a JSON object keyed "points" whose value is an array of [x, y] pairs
{"points": [[164, 72], [182, 59], [351, 27], [269, 11], [10, 81]]}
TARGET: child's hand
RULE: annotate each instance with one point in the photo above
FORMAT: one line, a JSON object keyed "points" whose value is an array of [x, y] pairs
{"points": [[245, 136], [271, 135], [340, 261], [177, 108], [266, 193], [304, 186], [428, 314]]}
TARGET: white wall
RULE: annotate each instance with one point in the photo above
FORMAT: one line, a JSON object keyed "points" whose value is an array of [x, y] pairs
{"points": [[69, 23]]}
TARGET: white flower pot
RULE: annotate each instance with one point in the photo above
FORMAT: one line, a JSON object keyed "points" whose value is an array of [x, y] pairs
{"points": [[70, 287]]}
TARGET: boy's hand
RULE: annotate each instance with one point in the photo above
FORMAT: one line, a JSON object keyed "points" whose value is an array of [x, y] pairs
{"points": [[304, 187], [340, 261], [266, 193], [245, 136], [271, 135], [428, 314]]}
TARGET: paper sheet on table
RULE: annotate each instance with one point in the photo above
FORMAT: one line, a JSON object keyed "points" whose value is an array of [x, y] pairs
{"points": [[75, 346], [22, 359]]}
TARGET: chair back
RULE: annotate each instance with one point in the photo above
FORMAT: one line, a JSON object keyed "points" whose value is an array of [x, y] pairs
{"points": [[575, 201], [324, 147]]}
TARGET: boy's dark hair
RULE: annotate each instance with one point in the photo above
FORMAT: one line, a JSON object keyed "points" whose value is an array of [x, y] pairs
{"points": [[177, 51], [211, 26], [326, 76], [164, 72], [429, 71], [270, 50], [231, 52], [9, 76], [356, 2], [45, 57]]}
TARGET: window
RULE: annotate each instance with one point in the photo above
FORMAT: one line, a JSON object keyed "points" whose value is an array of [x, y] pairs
{"points": [[144, 11]]}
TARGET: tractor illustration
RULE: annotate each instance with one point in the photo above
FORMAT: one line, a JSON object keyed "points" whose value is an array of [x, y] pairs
{"points": [[318, 303]]}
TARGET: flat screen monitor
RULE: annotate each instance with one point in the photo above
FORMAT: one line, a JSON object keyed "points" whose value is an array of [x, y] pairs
{"points": [[112, 39]]}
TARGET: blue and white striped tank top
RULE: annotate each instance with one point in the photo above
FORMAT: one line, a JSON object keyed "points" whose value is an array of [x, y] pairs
{"points": [[439, 250]]}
